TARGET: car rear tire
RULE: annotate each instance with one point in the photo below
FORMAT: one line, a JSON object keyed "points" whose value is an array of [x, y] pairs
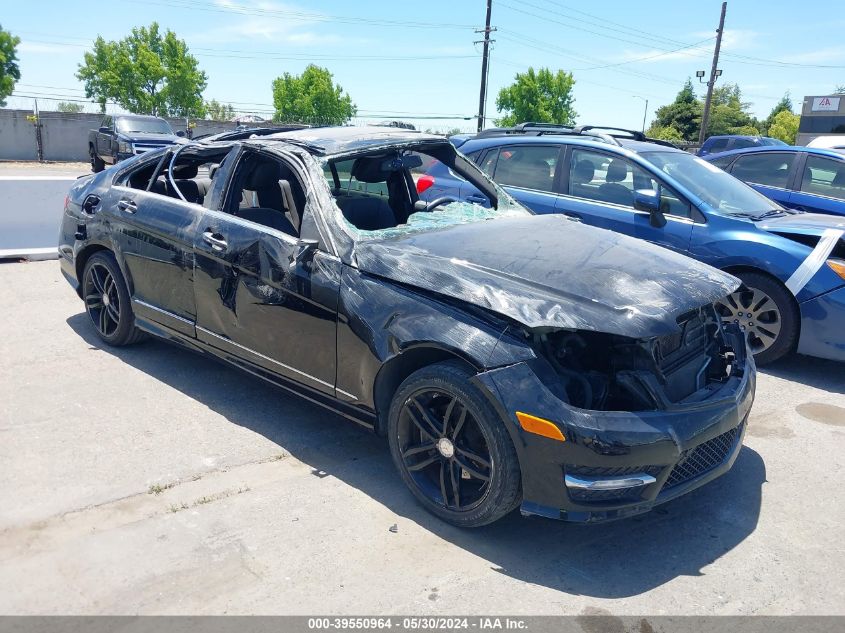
{"points": [[451, 447], [766, 312], [107, 301], [97, 164]]}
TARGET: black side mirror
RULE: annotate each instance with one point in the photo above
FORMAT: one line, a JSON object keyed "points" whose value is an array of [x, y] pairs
{"points": [[304, 251], [648, 201], [105, 130], [180, 134]]}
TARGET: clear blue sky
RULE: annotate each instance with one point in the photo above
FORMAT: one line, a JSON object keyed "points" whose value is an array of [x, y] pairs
{"points": [[413, 60]]}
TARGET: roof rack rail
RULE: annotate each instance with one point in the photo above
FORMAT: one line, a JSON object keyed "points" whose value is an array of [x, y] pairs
{"points": [[601, 132]]}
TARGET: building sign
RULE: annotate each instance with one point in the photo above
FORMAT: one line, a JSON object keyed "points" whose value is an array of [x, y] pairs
{"points": [[825, 104]]}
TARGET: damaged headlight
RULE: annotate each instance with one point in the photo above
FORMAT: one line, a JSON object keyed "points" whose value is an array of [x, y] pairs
{"points": [[608, 372]]}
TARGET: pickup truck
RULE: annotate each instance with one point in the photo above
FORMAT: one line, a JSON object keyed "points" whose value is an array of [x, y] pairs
{"points": [[122, 136]]}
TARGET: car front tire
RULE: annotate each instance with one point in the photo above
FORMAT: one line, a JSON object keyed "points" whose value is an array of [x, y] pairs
{"points": [[451, 447], [97, 164], [766, 312]]}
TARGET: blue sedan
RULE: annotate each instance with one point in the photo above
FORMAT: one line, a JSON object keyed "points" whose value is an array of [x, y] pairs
{"points": [[803, 178], [792, 264]]}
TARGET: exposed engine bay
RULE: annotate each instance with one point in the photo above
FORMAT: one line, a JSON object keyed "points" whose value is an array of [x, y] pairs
{"points": [[608, 372]]}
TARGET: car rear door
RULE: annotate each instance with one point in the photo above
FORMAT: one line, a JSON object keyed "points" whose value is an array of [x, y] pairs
{"points": [[262, 295], [820, 187], [154, 239], [529, 173]]}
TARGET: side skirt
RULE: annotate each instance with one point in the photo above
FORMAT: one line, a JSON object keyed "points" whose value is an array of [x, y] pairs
{"points": [[359, 416]]}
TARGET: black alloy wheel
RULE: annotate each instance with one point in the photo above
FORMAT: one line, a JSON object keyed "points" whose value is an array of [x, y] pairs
{"points": [[444, 450], [101, 299], [451, 447], [107, 300]]}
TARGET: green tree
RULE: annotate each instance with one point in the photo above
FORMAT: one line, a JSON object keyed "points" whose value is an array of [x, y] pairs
{"points": [[682, 115], [785, 126], [311, 98], [664, 132], [146, 73], [729, 113], [784, 105], [217, 111], [69, 106], [541, 96], [9, 71]]}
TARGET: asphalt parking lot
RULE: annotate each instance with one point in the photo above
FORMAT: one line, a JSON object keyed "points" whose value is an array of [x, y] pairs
{"points": [[151, 480]]}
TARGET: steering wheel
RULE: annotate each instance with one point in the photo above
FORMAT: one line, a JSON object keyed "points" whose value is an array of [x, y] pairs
{"points": [[431, 206]]}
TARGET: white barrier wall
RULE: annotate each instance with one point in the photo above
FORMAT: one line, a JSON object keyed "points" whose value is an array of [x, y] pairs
{"points": [[30, 215], [64, 135]]}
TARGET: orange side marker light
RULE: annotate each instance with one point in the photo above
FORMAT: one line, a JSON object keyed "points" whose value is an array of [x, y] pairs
{"points": [[539, 426]]}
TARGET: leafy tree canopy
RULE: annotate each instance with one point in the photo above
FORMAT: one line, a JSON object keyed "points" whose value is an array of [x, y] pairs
{"points": [[146, 73], [541, 96], [785, 126], [784, 105], [311, 98], [69, 106], [217, 111], [729, 113], [9, 71], [683, 116]]}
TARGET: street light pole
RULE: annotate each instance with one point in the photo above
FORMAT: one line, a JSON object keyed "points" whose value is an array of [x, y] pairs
{"points": [[645, 110]]}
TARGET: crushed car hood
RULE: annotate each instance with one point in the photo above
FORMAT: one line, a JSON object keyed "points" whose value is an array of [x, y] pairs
{"points": [[549, 272]]}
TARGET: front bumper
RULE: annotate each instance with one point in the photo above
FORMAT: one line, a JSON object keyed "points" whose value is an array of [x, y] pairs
{"points": [[821, 326], [668, 452]]}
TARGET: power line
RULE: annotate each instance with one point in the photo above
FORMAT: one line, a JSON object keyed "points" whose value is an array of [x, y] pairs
{"points": [[625, 29], [289, 14]]}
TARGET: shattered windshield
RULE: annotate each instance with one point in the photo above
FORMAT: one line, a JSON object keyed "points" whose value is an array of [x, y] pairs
{"points": [[394, 193]]}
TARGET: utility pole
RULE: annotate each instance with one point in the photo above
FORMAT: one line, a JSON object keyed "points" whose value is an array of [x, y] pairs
{"points": [[705, 116], [482, 98], [38, 139]]}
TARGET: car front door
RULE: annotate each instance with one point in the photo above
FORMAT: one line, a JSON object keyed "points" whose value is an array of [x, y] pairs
{"points": [[264, 295], [821, 188], [600, 191], [104, 139], [770, 173]]}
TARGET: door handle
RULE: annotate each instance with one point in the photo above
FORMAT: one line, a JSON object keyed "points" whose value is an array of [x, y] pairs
{"points": [[476, 198], [215, 240], [129, 206], [574, 217]]}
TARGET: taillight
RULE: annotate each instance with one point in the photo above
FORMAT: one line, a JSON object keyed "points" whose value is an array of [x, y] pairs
{"points": [[424, 182]]}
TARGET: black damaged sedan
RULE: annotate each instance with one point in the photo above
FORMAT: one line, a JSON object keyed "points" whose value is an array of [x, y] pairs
{"points": [[510, 359]]}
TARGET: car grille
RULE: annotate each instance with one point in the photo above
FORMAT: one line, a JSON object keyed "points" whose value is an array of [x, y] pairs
{"points": [[606, 496], [703, 458], [141, 148]]}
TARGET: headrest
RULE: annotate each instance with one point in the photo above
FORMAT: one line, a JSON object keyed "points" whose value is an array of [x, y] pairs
{"points": [[263, 175], [617, 171], [212, 170], [184, 172], [369, 169], [839, 178], [584, 172]]}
